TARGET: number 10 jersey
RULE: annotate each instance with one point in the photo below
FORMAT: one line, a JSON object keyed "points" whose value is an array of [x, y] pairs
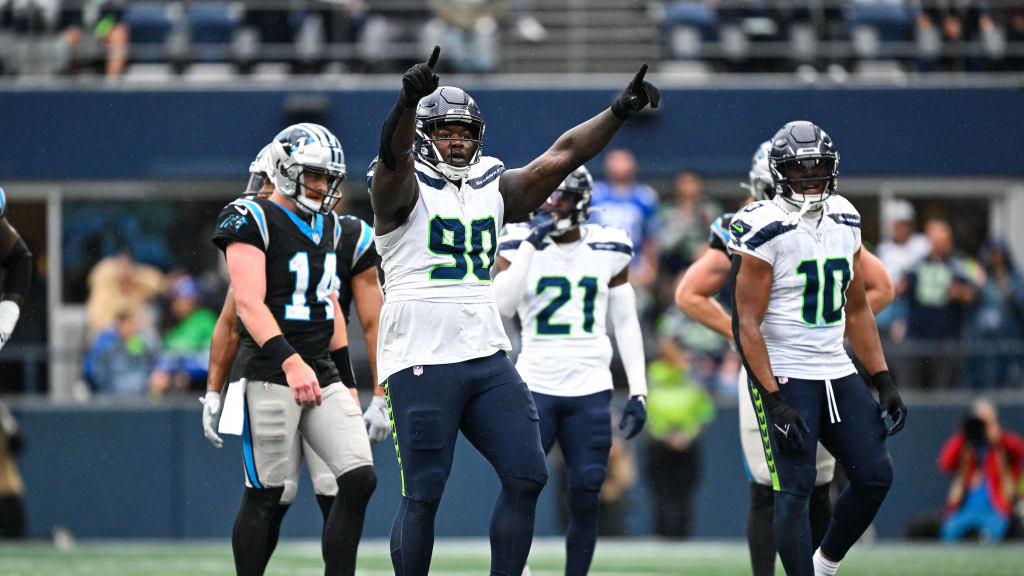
{"points": [[438, 303], [812, 266]]}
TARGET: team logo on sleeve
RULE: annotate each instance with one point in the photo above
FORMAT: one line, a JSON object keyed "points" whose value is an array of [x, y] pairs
{"points": [[233, 222]]}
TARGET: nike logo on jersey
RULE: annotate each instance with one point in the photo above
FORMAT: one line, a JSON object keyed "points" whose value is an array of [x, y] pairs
{"points": [[242, 210]]}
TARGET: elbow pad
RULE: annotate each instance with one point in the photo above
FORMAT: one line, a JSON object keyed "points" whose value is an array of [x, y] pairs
{"points": [[18, 264]]}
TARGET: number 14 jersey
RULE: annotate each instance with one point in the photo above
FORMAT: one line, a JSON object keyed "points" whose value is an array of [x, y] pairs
{"points": [[812, 266], [438, 303]]}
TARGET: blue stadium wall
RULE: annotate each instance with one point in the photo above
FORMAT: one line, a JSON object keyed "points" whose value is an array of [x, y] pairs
{"points": [[150, 473], [195, 134]]}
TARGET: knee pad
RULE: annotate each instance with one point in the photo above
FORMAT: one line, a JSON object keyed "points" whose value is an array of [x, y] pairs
{"points": [[325, 485], [522, 487], [589, 479], [288, 493], [357, 485]]}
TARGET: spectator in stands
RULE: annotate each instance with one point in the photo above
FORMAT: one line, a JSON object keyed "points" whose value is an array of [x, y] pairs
{"points": [[622, 202], [678, 408], [468, 30], [940, 290], [691, 345], [183, 362], [92, 28], [985, 462], [121, 357], [12, 490], [118, 283], [997, 319], [899, 252], [683, 227]]}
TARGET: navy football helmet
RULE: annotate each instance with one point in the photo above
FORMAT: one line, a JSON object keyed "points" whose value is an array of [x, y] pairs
{"points": [[304, 149], [569, 204], [448, 105], [801, 159]]}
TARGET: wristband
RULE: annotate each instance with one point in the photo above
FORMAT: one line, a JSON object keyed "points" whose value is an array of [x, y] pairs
{"points": [[278, 349], [344, 366]]}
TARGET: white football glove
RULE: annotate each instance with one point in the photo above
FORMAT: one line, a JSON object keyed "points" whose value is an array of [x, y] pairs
{"points": [[9, 313], [377, 420], [211, 408]]}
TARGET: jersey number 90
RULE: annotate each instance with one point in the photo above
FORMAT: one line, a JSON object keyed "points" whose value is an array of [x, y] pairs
{"points": [[448, 238]]}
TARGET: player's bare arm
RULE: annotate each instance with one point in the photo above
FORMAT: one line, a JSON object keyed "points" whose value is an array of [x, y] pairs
{"points": [[753, 291], [369, 300], [246, 266], [223, 345], [877, 283], [524, 189], [695, 294], [393, 190]]}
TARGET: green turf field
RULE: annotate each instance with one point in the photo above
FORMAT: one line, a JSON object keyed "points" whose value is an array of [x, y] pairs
{"points": [[464, 558]]}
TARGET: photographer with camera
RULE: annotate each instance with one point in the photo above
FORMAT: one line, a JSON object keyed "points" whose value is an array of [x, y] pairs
{"points": [[985, 461]]}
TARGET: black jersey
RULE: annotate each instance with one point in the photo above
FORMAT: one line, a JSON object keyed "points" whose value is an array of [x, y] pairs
{"points": [[301, 265], [356, 254], [719, 239]]}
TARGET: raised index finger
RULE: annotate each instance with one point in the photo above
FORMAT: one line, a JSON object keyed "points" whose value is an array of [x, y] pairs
{"points": [[437, 52], [639, 76]]}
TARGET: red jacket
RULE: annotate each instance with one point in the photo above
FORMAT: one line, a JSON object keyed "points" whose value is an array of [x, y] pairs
{"points": [[1013, 447]]}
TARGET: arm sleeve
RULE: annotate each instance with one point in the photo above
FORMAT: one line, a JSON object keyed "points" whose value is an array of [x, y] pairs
{"points": [[622, 306], [510, 285]]}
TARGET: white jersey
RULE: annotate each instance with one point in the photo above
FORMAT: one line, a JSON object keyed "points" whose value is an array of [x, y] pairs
{"points": [[566, 351], [438, 303], [812, 266]]}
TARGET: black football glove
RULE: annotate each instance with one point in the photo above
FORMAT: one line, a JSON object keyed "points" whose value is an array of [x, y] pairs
{"points": [[540, 226], [788, 427], [638, 94], [890, 402], [419, 81], [634, 416]]}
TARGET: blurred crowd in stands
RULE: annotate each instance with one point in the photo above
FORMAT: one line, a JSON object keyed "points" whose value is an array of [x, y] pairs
{"points": [[218, 39]]}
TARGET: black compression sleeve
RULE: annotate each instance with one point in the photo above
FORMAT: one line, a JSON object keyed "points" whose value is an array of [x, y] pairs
{"points": [[388, 132], [18, 264], [344, 366]]}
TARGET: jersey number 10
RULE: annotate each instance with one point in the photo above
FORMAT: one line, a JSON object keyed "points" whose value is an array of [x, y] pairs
{"points": [[824, 299]]}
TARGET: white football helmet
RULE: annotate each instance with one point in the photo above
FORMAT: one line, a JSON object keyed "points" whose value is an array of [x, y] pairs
{"points": [[259, 170], [760, 175], [302, 149]]}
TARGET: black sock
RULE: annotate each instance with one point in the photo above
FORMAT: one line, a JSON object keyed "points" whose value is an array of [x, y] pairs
{"points": [[412, 537], [250, 537], [275, 529], [760, 535], [344, 525], [512, 525], [581, 537], [821, 514], [793, 533], [855, 509], [325, 503]]}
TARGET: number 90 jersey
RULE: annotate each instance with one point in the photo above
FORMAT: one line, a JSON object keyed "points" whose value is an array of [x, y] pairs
{"points": [[438, 303], [566, 351], [812, 266], [301, 265]]}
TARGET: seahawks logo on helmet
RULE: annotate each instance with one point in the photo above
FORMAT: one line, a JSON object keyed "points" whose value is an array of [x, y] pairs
{"points": [[569, 204], [803, 157], [448, 105]]}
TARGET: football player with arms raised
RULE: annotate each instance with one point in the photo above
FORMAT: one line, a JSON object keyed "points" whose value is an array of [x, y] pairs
{"points": [[16, 261], [357, 273], [281, 255], [798, 286], [438, 204], [695, 295], [563, 278]]}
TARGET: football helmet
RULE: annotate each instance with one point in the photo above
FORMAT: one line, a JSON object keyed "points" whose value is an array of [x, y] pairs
{"points": [[304, 149], [258, 173], [448, 105], [760, 185], [569, 204], [801, 158]]}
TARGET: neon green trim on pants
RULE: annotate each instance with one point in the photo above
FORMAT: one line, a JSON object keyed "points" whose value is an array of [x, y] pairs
{"points": [[394, 433], [762, 423]]}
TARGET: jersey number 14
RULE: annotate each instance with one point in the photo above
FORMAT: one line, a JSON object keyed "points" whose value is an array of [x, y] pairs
{"points": [[824, 299]]}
